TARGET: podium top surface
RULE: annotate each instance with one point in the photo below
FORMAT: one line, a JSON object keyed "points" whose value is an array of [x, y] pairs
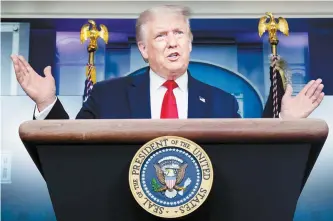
{"points": [[198, 130]]}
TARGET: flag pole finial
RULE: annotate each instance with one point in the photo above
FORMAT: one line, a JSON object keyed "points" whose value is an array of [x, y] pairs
{"points": [[278, 76], [91, 32], [272, 27]]}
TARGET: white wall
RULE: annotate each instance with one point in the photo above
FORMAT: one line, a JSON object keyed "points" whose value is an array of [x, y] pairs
{"points": [[131, 9]]}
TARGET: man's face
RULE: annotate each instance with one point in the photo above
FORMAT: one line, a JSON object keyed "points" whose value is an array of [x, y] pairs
{"points": [[167, 45]]}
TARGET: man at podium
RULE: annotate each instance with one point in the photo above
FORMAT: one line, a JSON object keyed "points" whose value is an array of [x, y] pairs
{"points": [[166, 90]]}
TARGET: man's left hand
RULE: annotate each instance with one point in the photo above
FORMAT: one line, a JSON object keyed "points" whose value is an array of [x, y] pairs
{"points": [[302, 105]]}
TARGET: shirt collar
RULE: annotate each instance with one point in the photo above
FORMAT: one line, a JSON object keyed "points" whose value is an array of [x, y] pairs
{"points": [[157, 81]]}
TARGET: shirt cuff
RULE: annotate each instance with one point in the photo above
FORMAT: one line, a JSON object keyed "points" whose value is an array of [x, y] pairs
{"points": [[42, 115]]}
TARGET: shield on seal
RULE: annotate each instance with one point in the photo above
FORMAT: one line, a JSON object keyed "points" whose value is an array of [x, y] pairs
{"points": [[170, 181]]}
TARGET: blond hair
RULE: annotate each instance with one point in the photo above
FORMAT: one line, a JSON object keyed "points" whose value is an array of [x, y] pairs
{"points": [[149, 13]]}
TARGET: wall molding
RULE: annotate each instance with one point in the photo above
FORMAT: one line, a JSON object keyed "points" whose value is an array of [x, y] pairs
{"points": [[131, 9]]}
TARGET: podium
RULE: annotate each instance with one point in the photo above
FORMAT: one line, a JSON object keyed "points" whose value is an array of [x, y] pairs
{"points": [[260, 165]]}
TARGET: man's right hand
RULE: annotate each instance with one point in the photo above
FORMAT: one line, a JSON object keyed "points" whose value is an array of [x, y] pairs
{"points": [[41, 90]]}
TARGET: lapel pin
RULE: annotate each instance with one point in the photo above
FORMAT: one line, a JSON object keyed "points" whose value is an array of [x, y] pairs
{"points": [[202, 99]]}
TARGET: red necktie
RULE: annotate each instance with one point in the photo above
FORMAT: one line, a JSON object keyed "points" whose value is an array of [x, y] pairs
{"points": [[169, 105]]}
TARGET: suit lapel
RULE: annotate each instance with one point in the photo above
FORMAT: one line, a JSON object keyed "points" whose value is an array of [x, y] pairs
{"points": [[139, 96], [197, 99]]}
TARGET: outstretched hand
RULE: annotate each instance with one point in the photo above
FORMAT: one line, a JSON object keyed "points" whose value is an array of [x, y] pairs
{"points": [[40, 89], [304, 103]]}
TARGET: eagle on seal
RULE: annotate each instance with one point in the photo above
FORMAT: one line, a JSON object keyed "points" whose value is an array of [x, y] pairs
{"points": [[170, 178]]}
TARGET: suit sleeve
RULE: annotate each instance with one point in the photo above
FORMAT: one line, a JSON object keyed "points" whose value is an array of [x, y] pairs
{"points": [[89, 109], [56, 113], [268, 109]]}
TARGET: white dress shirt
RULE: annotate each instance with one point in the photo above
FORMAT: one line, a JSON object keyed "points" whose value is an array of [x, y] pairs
{"points": [[157, 92]]}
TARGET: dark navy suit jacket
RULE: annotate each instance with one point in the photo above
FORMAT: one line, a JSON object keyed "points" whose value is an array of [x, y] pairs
{"points": [[129, 98]]}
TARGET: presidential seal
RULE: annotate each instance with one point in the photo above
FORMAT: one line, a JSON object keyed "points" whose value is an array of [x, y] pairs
{"points": [[170, 176]]}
